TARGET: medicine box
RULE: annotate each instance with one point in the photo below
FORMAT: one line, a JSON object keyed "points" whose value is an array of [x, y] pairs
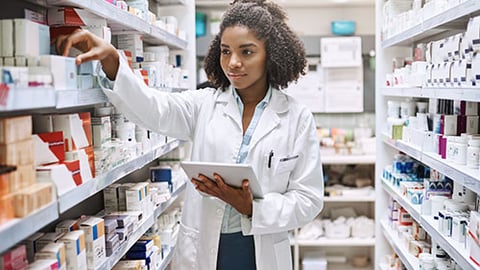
{"points": [[94, 229], [63, 69], [75, 250], [49, 147], [31, 38], [15, 129], [54, 251]]}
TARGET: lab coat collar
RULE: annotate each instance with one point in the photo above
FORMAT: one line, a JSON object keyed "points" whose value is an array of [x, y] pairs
{"points": [[278, 104]]}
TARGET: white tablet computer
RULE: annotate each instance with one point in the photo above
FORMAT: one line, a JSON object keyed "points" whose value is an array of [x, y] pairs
{"points": [[232, 173]]}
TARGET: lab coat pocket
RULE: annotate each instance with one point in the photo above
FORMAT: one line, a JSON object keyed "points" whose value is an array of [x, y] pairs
{"points": [[283, 256], [285, 164], [186, 255]]}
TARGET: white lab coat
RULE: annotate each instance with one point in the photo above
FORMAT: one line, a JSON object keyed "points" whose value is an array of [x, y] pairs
{"points": [[211, 119]]}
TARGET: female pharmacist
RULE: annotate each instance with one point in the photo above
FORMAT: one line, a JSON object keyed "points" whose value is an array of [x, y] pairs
{"points": [[247, 119]]}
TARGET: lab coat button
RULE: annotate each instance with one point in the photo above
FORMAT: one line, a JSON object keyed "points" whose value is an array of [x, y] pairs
{"points": [[213, 250], [219, 212]]}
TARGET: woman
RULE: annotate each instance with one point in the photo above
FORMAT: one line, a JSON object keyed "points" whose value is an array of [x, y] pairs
{"points": [[247, 119]]}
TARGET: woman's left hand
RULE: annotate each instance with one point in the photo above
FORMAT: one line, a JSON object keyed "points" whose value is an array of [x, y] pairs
{"points": [[239, 198]]}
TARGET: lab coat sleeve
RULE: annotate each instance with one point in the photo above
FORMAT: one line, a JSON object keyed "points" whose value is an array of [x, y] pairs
{"points": [[171, 114], [303, 199]]}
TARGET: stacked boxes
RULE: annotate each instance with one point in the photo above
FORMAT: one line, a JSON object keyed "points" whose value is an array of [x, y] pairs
{"points": [[94, 229], [16, 146]]}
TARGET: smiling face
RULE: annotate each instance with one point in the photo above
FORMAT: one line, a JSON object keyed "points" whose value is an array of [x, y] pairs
{"points": [[243, 59]]}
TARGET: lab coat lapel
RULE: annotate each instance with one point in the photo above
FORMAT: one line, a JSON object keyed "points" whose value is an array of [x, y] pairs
{"points": [[270, 117], [230, 107]]}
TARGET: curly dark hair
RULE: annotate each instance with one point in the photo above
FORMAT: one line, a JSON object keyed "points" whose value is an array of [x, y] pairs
{"points": [[286, 58]]}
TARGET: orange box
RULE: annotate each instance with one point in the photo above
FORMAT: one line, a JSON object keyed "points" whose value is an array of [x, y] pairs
{"points": [[15, 129], [5, 176], [56, 145], [7, 210], [32, 198], [23, 177], [91, 159], [18, 153], [87, 125]]}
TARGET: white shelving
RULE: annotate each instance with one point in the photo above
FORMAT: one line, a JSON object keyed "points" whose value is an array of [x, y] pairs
{"points": [[467, 94], [123, 22], [410, 261], [18, 229], [455, 249], [141, 229], [448, 19], [40, 100], [468, 177], [84, 191]]}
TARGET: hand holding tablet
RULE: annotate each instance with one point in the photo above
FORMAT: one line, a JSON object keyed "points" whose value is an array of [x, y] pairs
{"points": [[233, 174]]}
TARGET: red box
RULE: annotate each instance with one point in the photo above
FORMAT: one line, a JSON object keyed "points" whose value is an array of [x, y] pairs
{"points": [[74, 168], [55, 144]]}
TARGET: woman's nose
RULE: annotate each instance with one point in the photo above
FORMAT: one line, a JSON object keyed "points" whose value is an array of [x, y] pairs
{"points": [[235, 61]]}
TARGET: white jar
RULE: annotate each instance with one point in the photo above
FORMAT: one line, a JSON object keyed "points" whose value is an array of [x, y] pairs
{"points": [[473, 152], [393, 109], [451, 146], [461, 150]]}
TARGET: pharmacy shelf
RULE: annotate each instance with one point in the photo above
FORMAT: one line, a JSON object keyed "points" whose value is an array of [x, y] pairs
{"points": [[18, 229], [369, 198], [467, 94], [89, 188], [412, 209], [329, 242], [77, 98], [17, 99], [410, 261], [347, 159], [123, 22], [459, 173], [175, 194], [126, 245], [454, 18], [454, 249]]}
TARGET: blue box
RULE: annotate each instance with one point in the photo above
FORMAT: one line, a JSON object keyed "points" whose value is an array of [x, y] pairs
{"points": [[343, 28]]}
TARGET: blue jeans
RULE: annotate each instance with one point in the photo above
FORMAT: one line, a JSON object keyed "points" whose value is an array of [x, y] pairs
{"points": [[236, 252]]}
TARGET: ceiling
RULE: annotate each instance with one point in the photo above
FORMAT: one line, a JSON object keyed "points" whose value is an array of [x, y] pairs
{"points": [[295, 3]]}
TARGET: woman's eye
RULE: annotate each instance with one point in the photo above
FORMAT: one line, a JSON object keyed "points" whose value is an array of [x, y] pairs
{"points": [[247, 52], [225, 52]]}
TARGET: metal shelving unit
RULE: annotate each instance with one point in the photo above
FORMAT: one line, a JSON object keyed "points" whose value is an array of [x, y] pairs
{"points": [[460, 173], [467, 94], [452, 18], [410, 261], [18, 229], [89, 188], [17, 99], [123, 22]]}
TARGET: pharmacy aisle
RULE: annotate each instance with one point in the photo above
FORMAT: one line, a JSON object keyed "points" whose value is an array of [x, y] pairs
{"points": [[82, 187]]}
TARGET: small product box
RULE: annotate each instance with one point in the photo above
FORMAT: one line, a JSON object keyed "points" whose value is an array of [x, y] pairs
{"points": [[74, 134], [59, 175], [32, 198], [68, 225], [75, 250], [44, 264], [47, 238], [15, 129], [62, 16], [49, 147], [18, 153], [55, 251], [94, 229], [102, 130], [15, 258], [31, 38], [110, 198], [64, 71], [73, 167]]}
